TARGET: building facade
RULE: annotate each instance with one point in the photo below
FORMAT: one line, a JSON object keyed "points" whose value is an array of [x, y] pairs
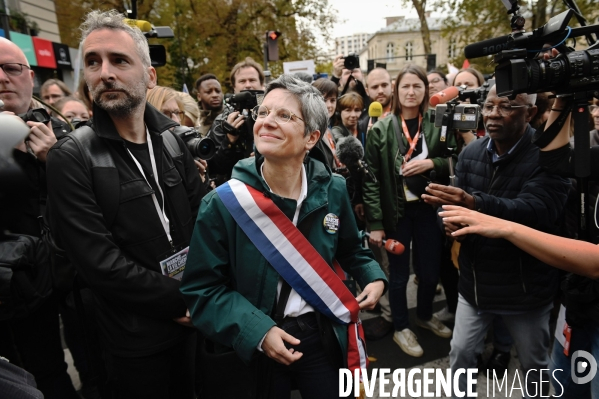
{"points": [[401, 42], [351, 44]]}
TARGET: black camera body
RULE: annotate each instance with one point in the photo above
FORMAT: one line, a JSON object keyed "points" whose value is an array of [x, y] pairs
{"points": [[36, 115], [200, 147], [351, 61], [463, 116], [246, 99], [517, 70], [572, 72]]}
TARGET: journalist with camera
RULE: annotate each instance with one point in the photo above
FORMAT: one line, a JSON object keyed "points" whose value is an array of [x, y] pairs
{"points": [[31, 340], [572, 78], [232, 129]]}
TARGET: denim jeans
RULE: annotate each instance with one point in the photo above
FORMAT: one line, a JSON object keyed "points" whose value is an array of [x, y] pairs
{"points": [[584, 338], [530, 331], [419, 224]]}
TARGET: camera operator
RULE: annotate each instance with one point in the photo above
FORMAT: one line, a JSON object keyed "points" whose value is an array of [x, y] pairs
{"points": [[580, 319], [500, 176], [232, 129], [35, 337]]}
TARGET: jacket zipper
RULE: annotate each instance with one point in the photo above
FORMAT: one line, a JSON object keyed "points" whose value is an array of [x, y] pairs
{"points": [[399, 186], [522, 276]]}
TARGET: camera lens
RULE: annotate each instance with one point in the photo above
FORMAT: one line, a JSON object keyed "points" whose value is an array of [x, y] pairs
{"points": [[202, 148]]}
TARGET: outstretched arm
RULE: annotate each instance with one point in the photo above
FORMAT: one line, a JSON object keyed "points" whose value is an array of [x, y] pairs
{"points": [[574, 256]]}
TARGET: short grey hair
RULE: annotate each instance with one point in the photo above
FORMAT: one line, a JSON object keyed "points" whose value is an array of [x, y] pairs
{"points": [[314, 109], [114, 20]]}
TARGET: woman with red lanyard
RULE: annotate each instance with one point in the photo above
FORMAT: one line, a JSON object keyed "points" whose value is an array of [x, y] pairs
{"points": [[403, 151], [329, 90]]}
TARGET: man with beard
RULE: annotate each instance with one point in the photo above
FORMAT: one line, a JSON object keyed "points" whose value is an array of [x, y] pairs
{"points": [[125, 246], [210, 99], [378, 87]]}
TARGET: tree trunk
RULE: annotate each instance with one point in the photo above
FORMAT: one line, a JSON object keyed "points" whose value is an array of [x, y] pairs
{"points": [[420, 6]]}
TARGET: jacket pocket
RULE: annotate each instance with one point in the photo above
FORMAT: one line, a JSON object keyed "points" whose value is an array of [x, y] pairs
{"points": [[133, 189]]}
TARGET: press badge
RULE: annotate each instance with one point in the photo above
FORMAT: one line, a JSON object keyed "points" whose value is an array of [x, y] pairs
{"points": [[174, 265]]}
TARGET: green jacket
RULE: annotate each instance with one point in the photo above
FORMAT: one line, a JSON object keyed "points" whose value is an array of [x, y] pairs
{"points": [[384, 200], [230, 288]]}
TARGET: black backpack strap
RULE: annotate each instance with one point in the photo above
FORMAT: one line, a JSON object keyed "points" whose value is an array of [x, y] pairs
{"points": [[171, 144], [402, 147], [103, 171]]}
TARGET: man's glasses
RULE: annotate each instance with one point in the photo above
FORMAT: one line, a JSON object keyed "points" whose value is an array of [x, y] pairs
{"points": [[13, 68], [503, 109], [282, 115], [435, 80]]}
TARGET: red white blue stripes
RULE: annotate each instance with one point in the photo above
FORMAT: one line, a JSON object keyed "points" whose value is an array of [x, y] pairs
{"points": [[296, 260]]}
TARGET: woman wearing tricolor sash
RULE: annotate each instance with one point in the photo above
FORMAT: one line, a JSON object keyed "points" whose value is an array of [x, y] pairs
{"points": [[266, 272]]}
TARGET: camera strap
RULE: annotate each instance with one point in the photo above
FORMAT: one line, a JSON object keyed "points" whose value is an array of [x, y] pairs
{"points": [[542, 138]]}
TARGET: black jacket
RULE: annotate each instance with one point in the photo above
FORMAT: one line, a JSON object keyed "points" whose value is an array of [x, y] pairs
{"points": [[494, 273], [136, 304], [228, 154]]}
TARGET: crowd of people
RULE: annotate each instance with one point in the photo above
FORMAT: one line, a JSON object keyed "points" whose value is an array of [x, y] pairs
{"points": [[249, 266]]}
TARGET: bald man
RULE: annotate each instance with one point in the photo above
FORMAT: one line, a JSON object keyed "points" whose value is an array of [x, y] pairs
{"points": [[32, 342], [378, 87], [499, 175]]}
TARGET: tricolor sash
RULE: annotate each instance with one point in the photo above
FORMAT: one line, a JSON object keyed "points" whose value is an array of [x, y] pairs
{"points": [[297, 261]]}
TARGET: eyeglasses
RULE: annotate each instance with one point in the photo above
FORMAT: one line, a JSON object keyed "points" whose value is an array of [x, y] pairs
{"points": [[170, 114], [503, 109], [435, 80], [13, 68], [282, 115]]}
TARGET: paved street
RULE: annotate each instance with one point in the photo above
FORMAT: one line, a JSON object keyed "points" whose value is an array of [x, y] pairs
{"points": [[388, 355]]}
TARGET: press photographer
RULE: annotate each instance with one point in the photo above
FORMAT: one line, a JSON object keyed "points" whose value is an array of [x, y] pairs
{"points": [[31, 340], [232, 129]]}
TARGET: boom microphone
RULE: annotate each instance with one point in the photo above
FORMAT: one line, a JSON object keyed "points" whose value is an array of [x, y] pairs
{"points": [[350, 153], [375, 110], [554, 31], [443, 96], [488, 47]]}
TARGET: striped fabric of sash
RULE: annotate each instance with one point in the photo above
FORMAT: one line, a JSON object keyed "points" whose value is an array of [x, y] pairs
{"points": [[296, 260]]}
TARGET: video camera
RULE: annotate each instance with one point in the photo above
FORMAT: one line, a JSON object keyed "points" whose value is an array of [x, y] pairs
{"points": [[456, 115], [200, 147], [519, 72]]}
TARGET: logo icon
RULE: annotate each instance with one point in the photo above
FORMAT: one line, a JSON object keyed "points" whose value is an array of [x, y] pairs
{"points": [[588, 365]]}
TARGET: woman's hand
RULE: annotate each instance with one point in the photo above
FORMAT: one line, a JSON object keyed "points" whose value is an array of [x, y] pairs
{"points": [[413, 168], [475, 222], [274, 346], [370, 295]]}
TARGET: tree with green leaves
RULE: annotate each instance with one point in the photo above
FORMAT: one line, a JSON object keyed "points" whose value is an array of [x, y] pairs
{"points": [[470, 21], [211, 36]]}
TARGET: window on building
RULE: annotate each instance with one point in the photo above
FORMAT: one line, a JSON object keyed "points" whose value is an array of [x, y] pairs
{"points": [[451, 51], [409, 51], [390, 51]]}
